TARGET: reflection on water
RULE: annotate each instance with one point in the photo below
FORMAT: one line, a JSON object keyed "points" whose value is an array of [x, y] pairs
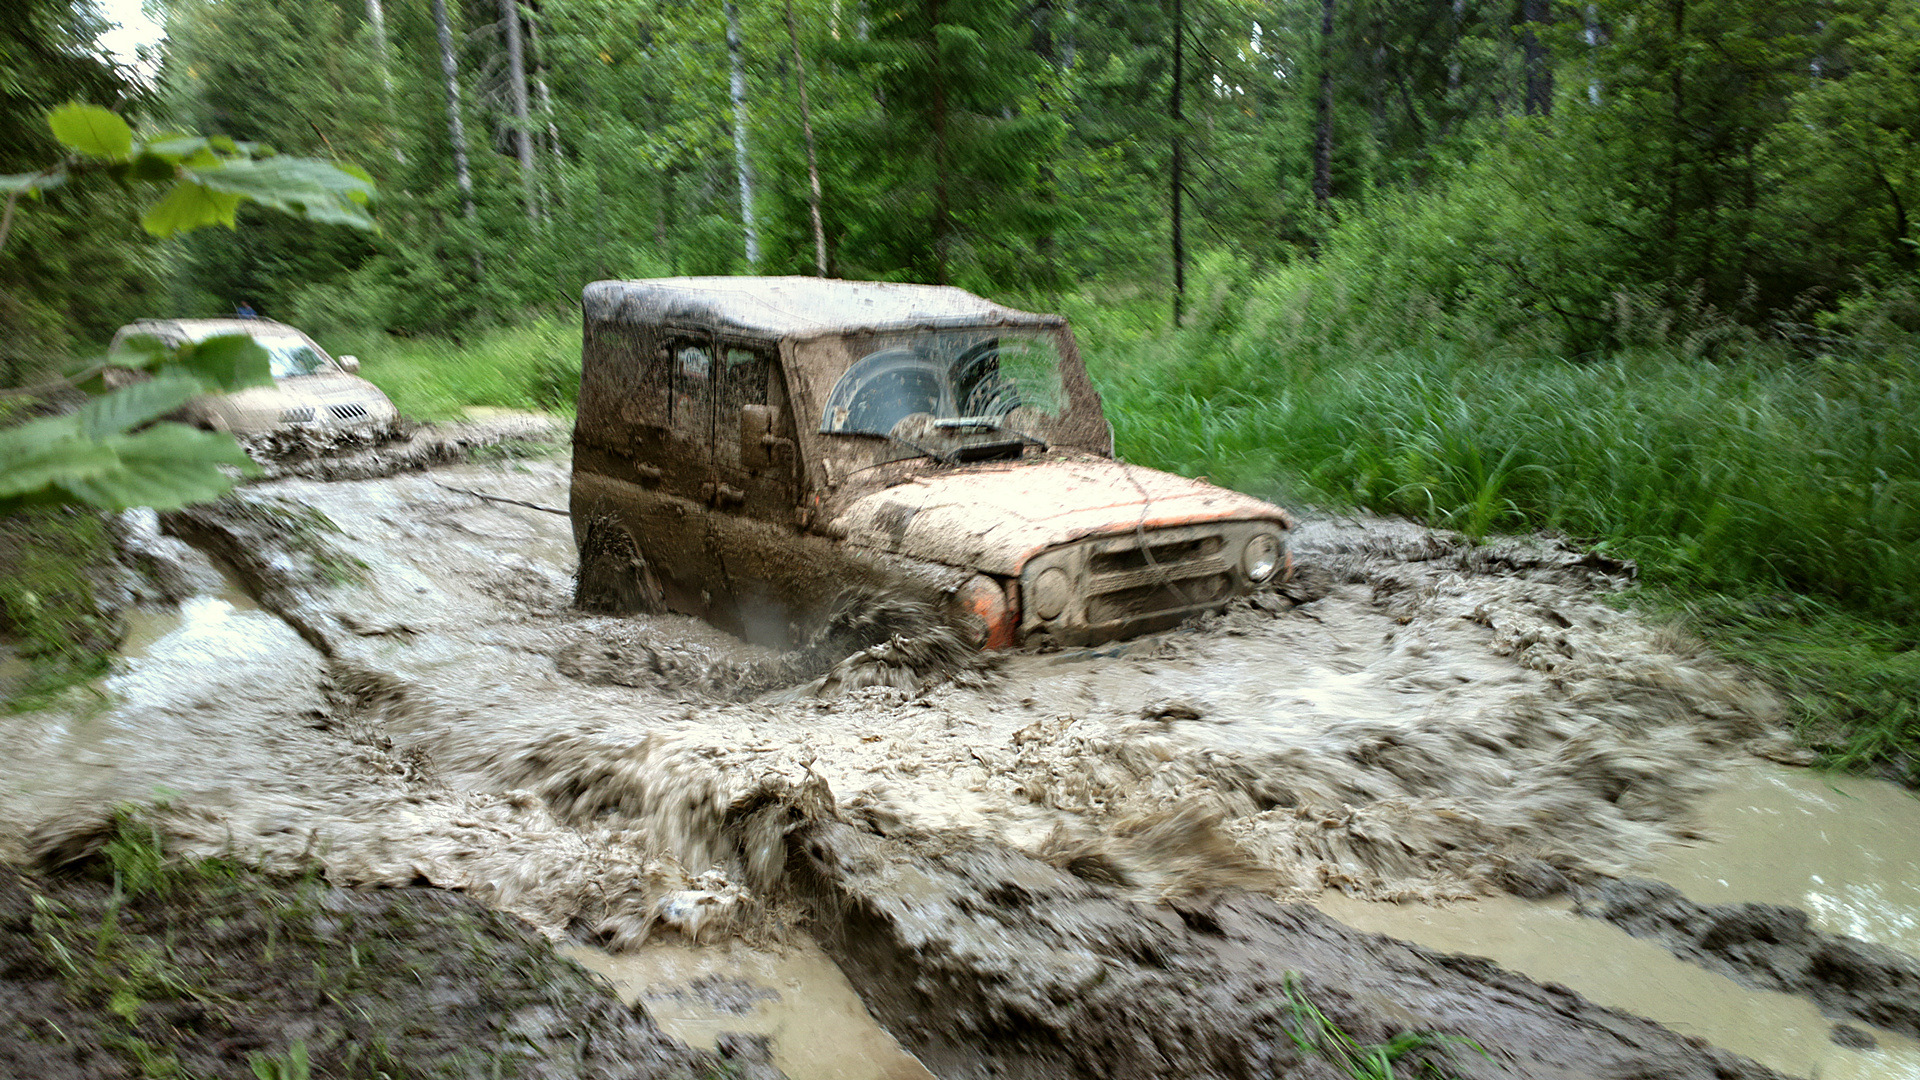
{"points": [[795, 996], [1843, 848]]}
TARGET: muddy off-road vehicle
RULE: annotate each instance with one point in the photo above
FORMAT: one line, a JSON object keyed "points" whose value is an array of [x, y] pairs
{"points": [[754, 451]]}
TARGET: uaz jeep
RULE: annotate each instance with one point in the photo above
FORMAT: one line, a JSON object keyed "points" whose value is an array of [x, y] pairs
{"points": [[753, 450]]}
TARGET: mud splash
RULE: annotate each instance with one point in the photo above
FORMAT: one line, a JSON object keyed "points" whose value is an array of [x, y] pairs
{"points": [[1447, 720]]}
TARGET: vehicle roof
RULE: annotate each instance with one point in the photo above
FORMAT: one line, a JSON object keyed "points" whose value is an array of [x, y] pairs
{"points": [[804, 306], [202, 329]]}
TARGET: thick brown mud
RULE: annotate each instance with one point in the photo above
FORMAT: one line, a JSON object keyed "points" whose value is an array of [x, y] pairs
{"points": [[416, 702], [988, 962]]}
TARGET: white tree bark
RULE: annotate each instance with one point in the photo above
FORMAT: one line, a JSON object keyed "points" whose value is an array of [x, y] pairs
{"points": [[517, 89], [742, 163], [813, 164], [456, 130]]}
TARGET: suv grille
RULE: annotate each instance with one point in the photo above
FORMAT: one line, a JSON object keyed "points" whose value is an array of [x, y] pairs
{"points": [[347, 412], [1133, 587], [298, 415]]}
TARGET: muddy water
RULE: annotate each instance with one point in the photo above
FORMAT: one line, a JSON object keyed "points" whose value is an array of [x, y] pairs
{"points": [[1447, 720], [1843, 848], [794, 996]]}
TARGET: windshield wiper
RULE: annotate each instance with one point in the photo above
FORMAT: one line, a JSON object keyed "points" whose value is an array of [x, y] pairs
{"points": [[958, 422]]}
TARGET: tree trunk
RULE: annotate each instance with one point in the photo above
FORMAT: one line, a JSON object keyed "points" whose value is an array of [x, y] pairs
{"points": [[743, 164], [1177, 181], [1539, 73], [517, 89], [377, 18], [1323, 125], [942, 212], [813, 164], [456, 131]]}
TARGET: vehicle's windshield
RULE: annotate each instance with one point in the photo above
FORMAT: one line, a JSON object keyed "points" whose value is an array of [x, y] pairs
{"points": [[951, 381], [292, 356]]}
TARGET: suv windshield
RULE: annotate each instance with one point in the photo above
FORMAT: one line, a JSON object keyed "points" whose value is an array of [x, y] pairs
{"points": [[956, 381], [291, 356]]}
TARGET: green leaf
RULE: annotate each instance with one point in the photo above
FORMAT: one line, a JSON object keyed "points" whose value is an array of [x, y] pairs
{"points": [[91, 129], [299, 186], [167, 466], [228, 362], [140, 352], [151, 167], [130, 406], [175, 148], [189, 206], [33, 454]]}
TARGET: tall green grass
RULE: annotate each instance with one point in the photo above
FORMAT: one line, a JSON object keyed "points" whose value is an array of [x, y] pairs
{"points": [[535, 365], [1773, 502]]}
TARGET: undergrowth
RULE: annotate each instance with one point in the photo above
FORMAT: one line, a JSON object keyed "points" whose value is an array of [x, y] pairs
{"points": [[48, 617], [535, 365]]}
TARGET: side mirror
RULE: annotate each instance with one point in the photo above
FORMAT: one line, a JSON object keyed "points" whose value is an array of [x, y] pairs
{"points": [[349, 364]]}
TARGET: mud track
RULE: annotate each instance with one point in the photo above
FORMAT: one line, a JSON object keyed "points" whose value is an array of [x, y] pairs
{"points": [[1063, 864]]}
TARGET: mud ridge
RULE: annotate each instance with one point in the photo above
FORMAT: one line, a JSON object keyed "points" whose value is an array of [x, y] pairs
{"points": [[324, 454], [1768, 946], [985, 961]]}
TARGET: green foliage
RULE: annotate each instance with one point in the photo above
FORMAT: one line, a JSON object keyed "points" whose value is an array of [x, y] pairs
{"points": [[532, 366], [46, 600]]}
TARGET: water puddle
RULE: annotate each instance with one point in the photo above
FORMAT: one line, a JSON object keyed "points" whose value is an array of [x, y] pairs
{"points": [[795, 996], [1843, 848]]}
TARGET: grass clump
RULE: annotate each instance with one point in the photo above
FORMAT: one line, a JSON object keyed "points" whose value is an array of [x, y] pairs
{"points": [[535, 365], [1313, 1032], [50, 623]]}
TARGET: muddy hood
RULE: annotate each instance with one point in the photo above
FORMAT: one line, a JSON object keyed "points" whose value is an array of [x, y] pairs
{"points": [[995, 518]]}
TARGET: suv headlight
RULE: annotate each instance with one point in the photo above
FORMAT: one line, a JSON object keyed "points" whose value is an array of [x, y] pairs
{"points": [[1260, 558]]}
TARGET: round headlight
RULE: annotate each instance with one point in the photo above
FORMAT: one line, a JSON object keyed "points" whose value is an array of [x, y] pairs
{"points": [[1261, 558], [1050, 593]]}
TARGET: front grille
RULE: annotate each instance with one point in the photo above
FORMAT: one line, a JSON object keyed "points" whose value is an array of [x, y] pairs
{"points": [[1145, 602], [1131, 585], [348, 411], [299, 415], [1166, 553]]}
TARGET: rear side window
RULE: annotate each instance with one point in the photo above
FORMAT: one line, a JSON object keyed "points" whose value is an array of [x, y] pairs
{"points": [[628, 377]]}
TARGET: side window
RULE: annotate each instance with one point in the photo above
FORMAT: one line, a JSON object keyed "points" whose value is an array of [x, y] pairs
{"points": [[741, 378], [690, 362], [625, 379]]}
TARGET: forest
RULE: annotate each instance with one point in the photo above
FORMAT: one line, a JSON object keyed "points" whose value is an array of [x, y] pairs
{"points": [[1641, 272]]}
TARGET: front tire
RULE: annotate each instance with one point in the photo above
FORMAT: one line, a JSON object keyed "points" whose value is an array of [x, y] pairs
{"points": [[614, 578]]}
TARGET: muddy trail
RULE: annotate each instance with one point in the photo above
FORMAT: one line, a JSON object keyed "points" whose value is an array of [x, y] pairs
{"points": [[1079, 863]]}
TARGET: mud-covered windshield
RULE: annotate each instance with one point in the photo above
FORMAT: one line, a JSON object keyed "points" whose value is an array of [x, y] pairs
{"points": [[291, 356], [1000, 382]]}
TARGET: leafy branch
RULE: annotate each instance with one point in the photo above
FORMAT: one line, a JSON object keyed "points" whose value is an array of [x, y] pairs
{"points": [[117, 451], [209, 177]]}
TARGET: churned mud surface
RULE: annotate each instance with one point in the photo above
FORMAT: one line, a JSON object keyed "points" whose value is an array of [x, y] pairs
{"points": [[219, 972], [987, 962], [415, 702]]}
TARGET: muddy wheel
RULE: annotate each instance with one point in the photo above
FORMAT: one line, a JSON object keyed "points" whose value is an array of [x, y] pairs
{"points": [[614, 577]]}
